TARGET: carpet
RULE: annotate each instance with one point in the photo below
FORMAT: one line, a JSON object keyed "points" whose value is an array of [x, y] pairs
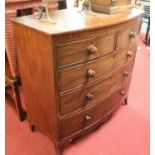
{"points": [[126, 133]]}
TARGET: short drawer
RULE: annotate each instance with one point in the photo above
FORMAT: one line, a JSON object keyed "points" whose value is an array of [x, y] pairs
{"points": [[79, 51], [96, 92], [82, 75], [127, 35], [74, 124]]}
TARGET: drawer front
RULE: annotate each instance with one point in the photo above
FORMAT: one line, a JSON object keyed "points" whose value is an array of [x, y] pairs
{"points": [[90, 95], [86, 118], [73, 53], [125, 55], [127, 35], [85, 74]]}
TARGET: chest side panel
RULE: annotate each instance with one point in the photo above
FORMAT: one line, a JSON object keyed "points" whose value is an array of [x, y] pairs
{"points": [[35, 58]]}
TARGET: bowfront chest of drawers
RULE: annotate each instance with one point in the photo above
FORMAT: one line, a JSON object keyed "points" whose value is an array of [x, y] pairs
{"points": [[75, 73]]}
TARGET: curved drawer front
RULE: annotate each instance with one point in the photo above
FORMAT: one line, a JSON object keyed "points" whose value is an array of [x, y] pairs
{"points": [[79, 75], [87, 73], [127, 35], [74, 124], [73, 53], [125, 55], [96, 92]]}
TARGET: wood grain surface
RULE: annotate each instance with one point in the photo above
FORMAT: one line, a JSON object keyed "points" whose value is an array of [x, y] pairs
{"points": [[77, 72]]}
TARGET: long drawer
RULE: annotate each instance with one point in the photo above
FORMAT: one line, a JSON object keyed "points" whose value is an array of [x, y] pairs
{"points": [[87, 96], [74, 124], [81, 75]]}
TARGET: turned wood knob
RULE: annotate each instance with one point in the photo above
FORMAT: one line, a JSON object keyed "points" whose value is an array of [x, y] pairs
{"points": [[70, 140], [90, 73], [132, 34], [122, 93], [130, 53], [88, 118], [89, 96], [92, 49], [126, 73]]}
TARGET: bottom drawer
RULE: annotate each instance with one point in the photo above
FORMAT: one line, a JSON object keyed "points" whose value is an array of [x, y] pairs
{"points": [[74, 124]]}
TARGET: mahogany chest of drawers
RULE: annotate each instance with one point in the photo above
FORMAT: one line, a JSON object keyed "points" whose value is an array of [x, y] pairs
{"points": [[76, 72]]}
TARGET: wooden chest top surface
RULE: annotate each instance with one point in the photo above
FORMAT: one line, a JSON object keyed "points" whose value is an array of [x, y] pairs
{"points": [[67, 21]]}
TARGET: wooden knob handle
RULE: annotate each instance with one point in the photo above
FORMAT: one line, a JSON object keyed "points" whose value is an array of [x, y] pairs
{"points": [[70, 140], [129, 53], [126, 73], [92, 49], [122, 93], [132, 34], [88, 118], [90, 73], [89, 96]]}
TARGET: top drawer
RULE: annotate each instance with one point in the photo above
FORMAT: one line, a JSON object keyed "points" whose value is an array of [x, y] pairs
{"points": [[75, 52], [127, 35], [83, 50]]}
